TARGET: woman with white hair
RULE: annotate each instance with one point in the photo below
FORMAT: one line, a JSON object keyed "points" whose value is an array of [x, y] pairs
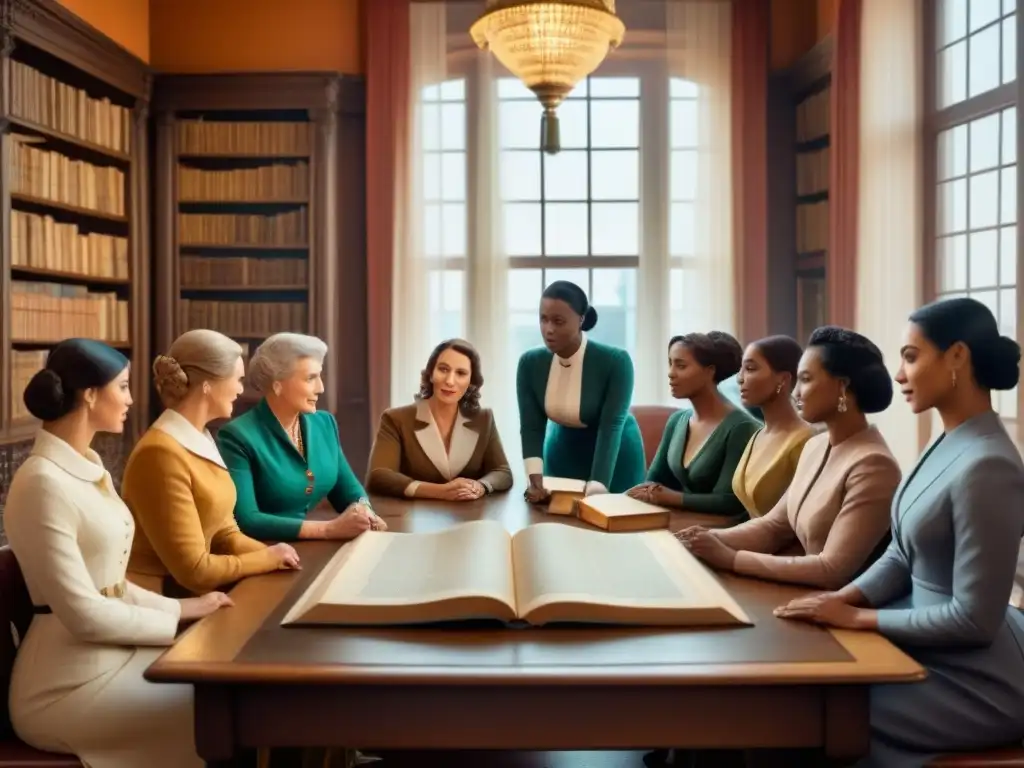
{"points": [[285, 456]]}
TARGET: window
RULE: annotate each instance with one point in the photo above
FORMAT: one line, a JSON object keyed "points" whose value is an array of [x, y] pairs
{"points": [[974, 106], [683, 137]]}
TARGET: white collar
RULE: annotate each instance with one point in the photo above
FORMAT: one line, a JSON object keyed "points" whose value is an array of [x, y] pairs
{"points": [[191, 439], [577, 356], [88, 467]]}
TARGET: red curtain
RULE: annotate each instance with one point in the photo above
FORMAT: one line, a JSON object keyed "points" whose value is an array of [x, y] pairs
{"points": [[751, 25]]}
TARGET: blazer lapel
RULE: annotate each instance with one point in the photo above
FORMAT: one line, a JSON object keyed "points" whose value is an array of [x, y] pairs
{"points": [[464, 441], [676, 444], [188, 437], [429, 438]]}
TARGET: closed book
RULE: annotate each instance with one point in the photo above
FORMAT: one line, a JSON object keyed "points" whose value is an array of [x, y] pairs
{"points": [[619, 512]]}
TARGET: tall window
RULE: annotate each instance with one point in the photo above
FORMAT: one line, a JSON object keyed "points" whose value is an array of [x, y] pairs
{"points": [[975, 117], [683, 136]]}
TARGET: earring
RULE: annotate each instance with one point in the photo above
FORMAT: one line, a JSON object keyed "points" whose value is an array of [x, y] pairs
{"points": [[954, 378], [778, 390], [206, 389], [842, 403]]}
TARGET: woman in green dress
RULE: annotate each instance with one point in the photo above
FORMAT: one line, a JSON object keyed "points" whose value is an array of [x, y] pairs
{"points": [[703, 444], [574, 396]]}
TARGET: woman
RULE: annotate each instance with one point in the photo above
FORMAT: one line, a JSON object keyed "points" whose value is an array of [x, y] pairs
{"points": [[836, 508], [77, 685], [443, 446], [766, 380], [940, 591], [574, 396], [177, 485], [285, 456], [701, 445]]}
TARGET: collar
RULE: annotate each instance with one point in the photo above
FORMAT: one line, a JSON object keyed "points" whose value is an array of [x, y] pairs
{"points": [[569, 362], [88, 467], [188, 437], [426, 418]]}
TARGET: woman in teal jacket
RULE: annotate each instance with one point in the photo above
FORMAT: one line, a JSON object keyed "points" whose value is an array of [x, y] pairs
{"points": [[574, 396]]}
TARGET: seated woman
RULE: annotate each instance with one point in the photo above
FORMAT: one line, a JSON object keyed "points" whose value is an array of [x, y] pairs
{"points": [[443, 446], [574, 396], [702, 445], [285, 456], [766, 381], [940, 591], [837, 506], [77, 685], [177, 485]]}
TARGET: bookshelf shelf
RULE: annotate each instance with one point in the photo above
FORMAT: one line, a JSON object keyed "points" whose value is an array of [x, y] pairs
{"points": [[73, 185]]}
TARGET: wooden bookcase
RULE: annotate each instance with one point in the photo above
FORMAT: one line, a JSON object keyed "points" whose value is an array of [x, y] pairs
{"points": [[74, 230], [246, 208]]}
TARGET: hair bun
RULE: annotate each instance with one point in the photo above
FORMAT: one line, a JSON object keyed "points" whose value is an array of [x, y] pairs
{"points": [[589, 319], [997, 364], [170, 380], [45, 397]]}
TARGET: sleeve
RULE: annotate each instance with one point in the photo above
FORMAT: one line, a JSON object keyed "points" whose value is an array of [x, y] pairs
{"points": [[887, 579], [768, 533], [144, 598], [987, 524], [613, 419], [659, 471], [171, 522], [347, 488], [722, 500], [384, 474], [533, 419], [253, 522], [44, 538], [860, 525], [497, 473]]}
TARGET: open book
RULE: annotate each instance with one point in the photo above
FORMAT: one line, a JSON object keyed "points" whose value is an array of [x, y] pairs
{"points": [[546, 573]]}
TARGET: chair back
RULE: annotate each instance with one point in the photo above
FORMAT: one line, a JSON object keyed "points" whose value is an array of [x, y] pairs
{"points": [[15, 616], [652, 420]]}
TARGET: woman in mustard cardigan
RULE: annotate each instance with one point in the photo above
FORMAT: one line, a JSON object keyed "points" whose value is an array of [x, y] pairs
{"points": [[177, 485]]}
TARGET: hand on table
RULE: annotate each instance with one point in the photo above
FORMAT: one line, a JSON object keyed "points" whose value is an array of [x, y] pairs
{"points": [[193, 608], [708, 547], [536, 493], [828, 608], [287, 557], [350, 523], [462, 489]]}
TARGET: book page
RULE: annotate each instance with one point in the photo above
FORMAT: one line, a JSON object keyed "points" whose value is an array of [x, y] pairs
{"points": [[384, 577], [573, 574]]}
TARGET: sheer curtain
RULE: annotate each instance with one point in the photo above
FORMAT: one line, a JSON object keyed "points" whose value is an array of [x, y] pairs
{"points": [[889, 227]]}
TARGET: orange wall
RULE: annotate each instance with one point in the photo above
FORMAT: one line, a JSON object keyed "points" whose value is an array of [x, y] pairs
{"points": [[124, 21], [190, 36], [827, 10], [794, 30]]}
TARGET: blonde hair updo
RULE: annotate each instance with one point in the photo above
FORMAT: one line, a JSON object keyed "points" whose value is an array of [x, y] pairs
{"points": [[195, 357]]}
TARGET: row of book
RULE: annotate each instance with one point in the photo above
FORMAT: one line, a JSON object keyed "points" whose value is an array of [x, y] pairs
{"points": [[241, 270], [24, 365], [247, 319], [48, 312], [812, 116], [289, 228], [812, 227], [52, 176], [40, 242], [269, 182], [44, 100], [812, 172], [204, 137]]}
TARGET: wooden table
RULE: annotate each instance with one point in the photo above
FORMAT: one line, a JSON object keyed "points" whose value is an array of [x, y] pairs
{"points": [[777, 684]]}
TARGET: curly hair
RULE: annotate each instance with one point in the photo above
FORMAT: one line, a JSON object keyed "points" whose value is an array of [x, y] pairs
{"points": [[714, 348], [469, 405], [845, 354]]}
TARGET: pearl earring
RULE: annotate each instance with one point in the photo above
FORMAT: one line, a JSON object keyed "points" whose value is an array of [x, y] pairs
{"points": [[954, 378], [778, 390], [842, 403]]}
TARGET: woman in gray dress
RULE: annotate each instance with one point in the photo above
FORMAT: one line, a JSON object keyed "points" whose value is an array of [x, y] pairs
{"points": [[941, 590]]}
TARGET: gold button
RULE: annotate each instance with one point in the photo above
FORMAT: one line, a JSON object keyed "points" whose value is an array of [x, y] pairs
{"points": [[308, 490]]}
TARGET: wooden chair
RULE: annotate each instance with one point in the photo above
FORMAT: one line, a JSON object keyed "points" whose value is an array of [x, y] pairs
{"points": [[652, 419], [1011, 757], [15, 616]]}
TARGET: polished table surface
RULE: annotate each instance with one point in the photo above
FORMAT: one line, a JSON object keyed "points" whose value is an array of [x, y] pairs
{"points": [[787, 684]]}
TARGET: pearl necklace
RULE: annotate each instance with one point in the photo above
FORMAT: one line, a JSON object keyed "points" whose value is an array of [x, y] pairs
{"points": [[295, 434]]}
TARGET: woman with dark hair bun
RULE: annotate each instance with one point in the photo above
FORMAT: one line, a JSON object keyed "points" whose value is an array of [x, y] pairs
{"points": [[574, 396], [77, 685], [941, 590], [836, 509], [701, 445], [766, 381]]}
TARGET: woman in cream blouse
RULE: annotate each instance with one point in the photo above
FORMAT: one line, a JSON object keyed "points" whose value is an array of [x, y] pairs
{"points": [[177, 485], [766, 380], [77, 685], [443, 446]]}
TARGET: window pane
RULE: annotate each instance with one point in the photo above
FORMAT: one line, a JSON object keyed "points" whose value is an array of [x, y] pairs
{"points": [[524, 289], [432, 230], [616, 229], [683, 122], [565, 176], [453, 176], [1009, 50], [430, 93], [1010, 135], [952, 74], [952, 206], [1008, 312], [431, 176], [430, 126], [453, 126], [985, 61], [453, 90], [1008, 195], [614, 86], [579, 276], [520, 175], [953, 152], [1007, 404], [519, 124], [952, 17], [952, 271], [682, 89], [522, 229], [453, 233], [982, 12], [682, 230], [1009, 6], [565, 229], [984, 200], [615, 174], [513, 88], [613, 295], [984, 259], [572, 125], [984, 143], [446, 289], [614, 124], [989, 298], [1008, 256], [684, 174]]}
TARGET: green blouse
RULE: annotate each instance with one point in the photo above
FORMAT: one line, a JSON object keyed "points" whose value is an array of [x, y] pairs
{"points": [[276, 486], [706, 484]]}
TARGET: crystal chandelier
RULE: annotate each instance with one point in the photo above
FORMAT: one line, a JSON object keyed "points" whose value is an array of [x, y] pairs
{"points": [[550, 45]]}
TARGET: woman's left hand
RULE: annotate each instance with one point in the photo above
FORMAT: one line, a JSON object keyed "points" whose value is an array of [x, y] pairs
{"points": [[360, 508], [825, 609], [707, 546]]}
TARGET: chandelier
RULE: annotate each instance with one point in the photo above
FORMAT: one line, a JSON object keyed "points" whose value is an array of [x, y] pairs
{"points": [[550, 45]]}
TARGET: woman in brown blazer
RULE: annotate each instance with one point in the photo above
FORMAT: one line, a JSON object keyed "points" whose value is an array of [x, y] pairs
{"points": [[444, 445]]}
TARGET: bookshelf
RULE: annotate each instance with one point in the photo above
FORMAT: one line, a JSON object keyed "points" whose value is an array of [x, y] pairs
{"points": [[245, 199], [74, 248]]}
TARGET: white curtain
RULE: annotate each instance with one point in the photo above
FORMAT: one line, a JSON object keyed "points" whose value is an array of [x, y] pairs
{"points": [[890, 196]]}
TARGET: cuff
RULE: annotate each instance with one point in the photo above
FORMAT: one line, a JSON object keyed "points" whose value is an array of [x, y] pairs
{"points": [[410, 489], [534, 466], [488, 488]]}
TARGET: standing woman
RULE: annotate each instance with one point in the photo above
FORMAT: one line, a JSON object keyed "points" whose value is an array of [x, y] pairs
{"points": [[574, 397], [77, 685], [766, 380], [941, 590]]}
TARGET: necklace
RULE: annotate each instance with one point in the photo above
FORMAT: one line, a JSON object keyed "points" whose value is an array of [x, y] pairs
{"points": [[295, 433]]}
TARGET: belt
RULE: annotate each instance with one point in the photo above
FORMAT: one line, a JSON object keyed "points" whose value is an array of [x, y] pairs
{"points": [[116, 591]]}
